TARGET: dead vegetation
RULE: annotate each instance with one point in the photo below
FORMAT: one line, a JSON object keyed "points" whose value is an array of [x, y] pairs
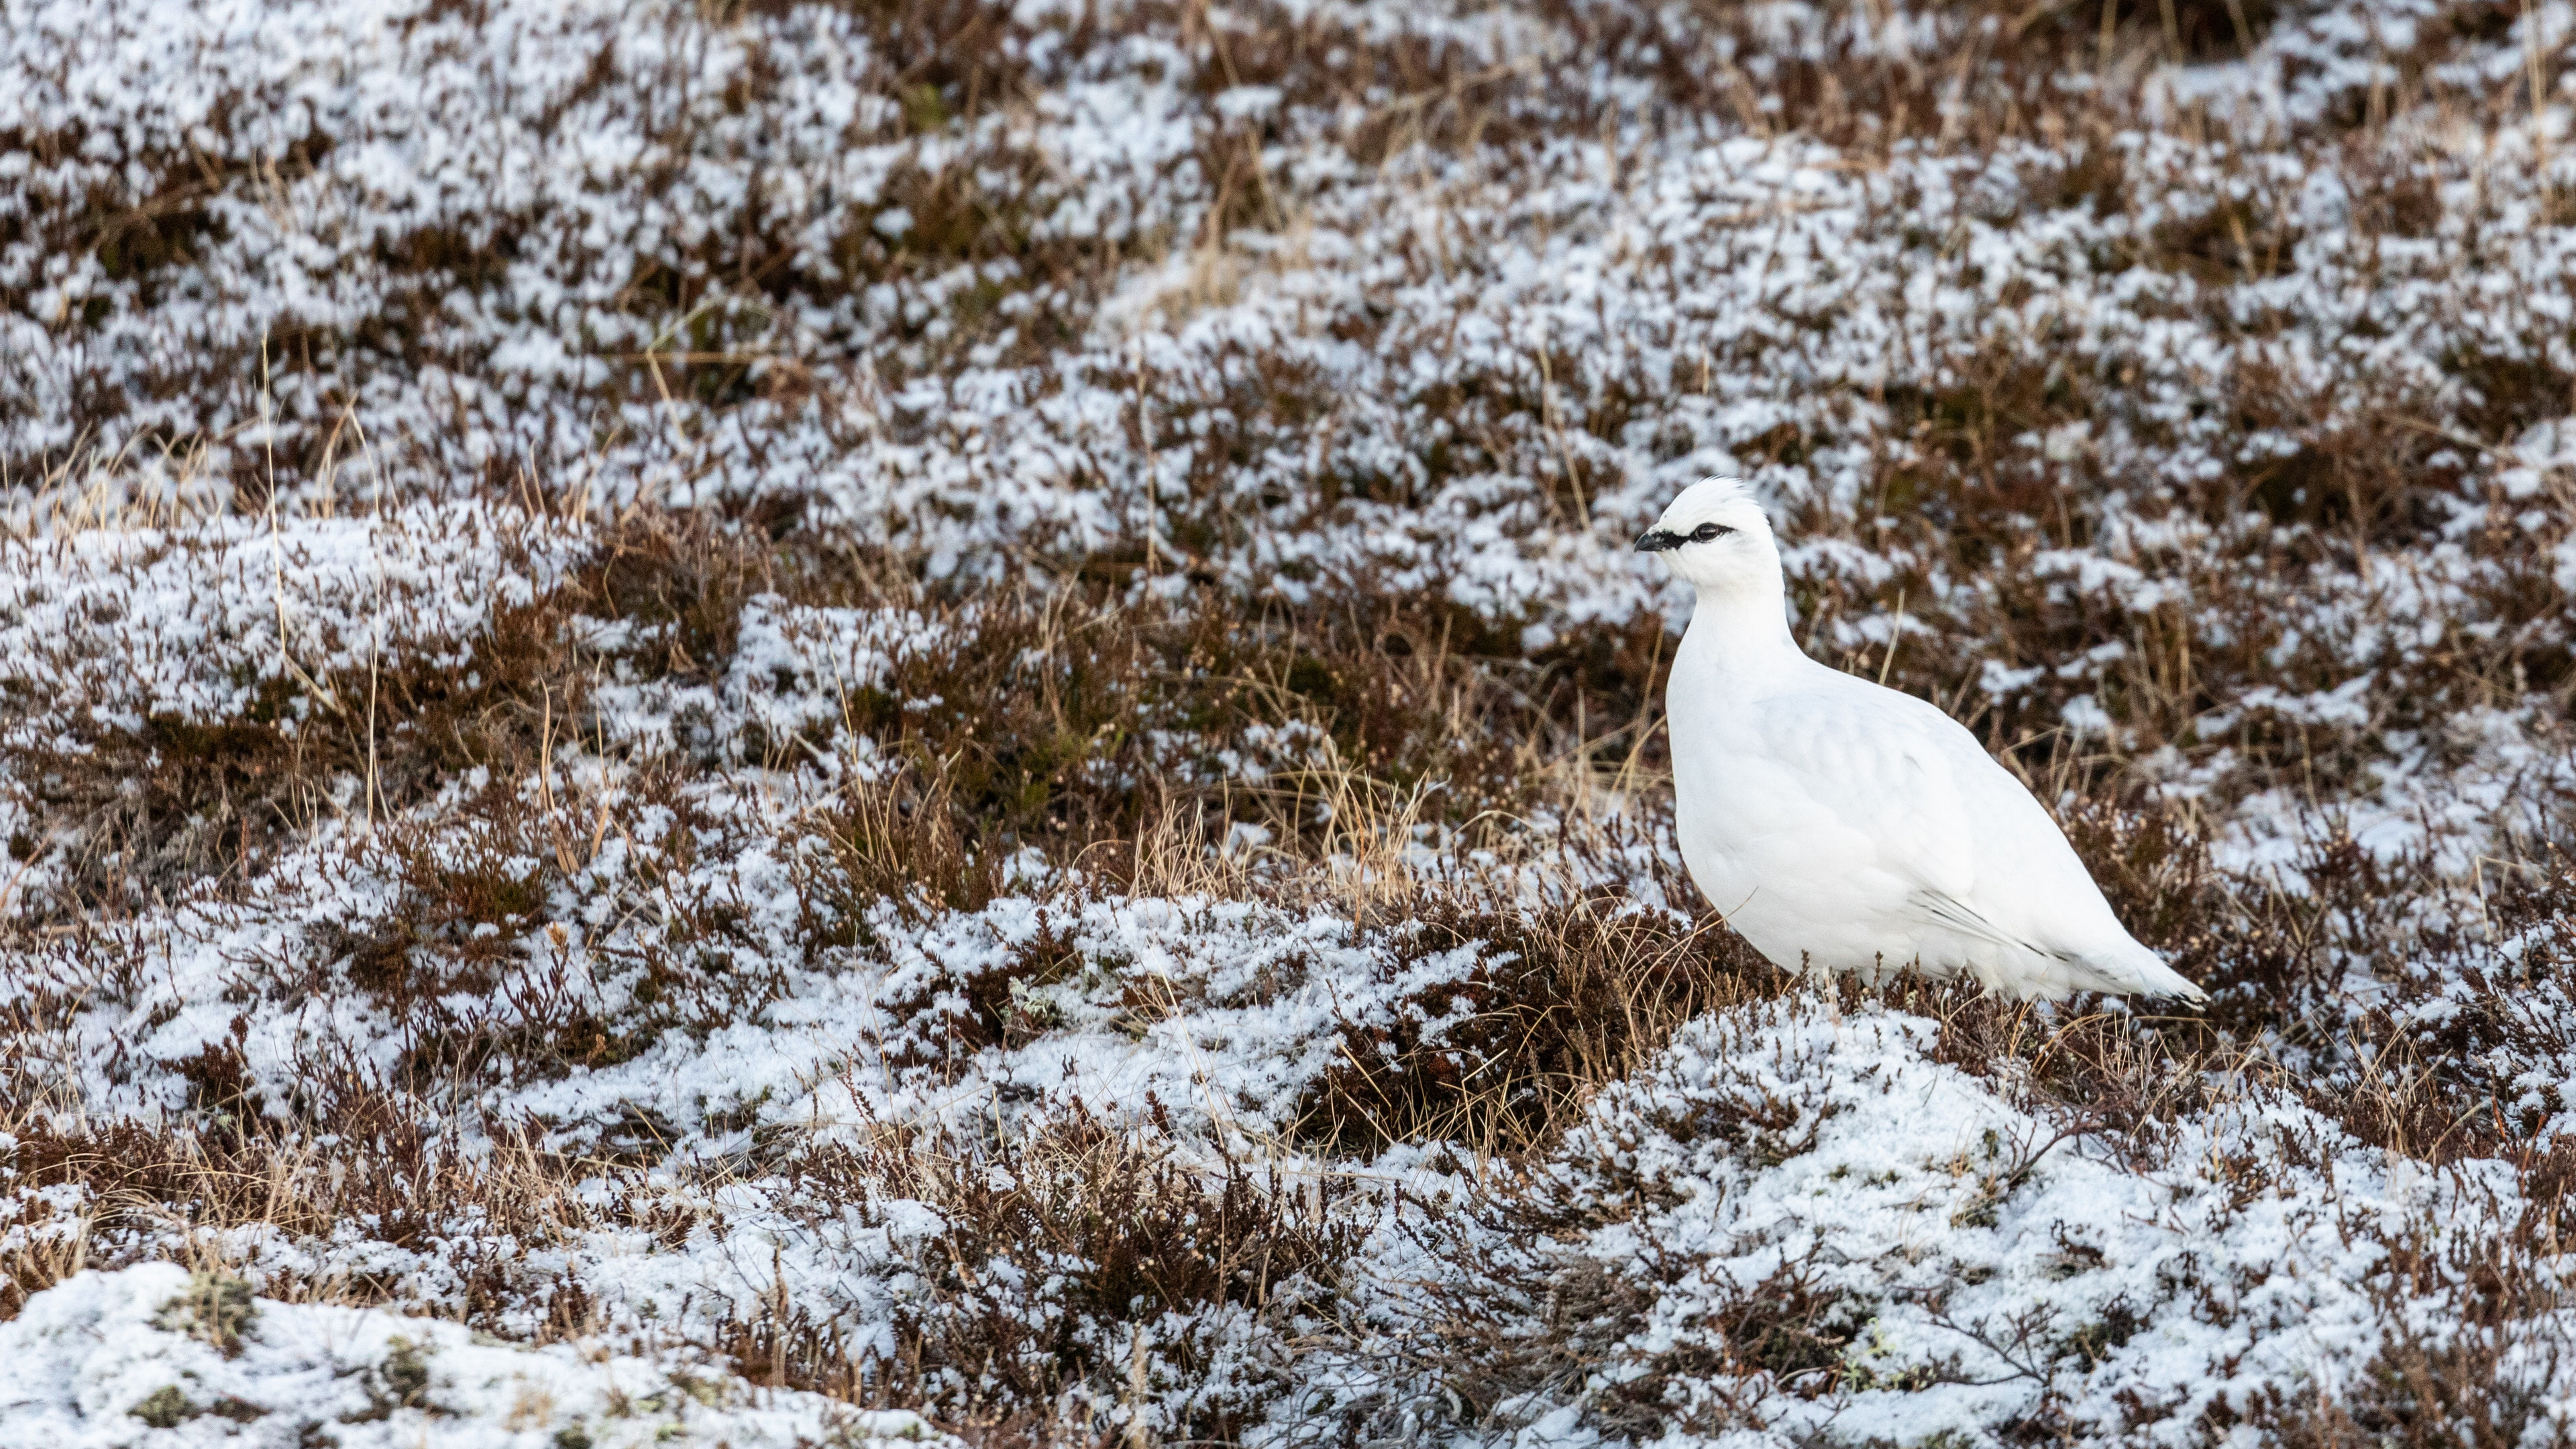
{"points": [[1078, 1274], [1507, 1021]]}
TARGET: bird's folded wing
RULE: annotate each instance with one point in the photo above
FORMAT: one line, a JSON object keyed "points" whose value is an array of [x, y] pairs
{"points": [[1974, 852], [1891, 786], [1925, 798], [1887, 768]]}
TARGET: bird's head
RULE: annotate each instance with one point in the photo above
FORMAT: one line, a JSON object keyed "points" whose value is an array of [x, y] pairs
{"points": [[1716, 536]]}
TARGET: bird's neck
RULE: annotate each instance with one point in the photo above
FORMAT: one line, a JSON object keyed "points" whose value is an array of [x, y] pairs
{"points": [[1741, 631]]}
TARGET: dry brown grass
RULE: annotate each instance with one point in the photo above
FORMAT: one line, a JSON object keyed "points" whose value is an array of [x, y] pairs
{"points": [[1075, 1262], [1501, 1054]]}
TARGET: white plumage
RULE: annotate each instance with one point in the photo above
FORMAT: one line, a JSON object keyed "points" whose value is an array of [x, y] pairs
{"points": [[1840, 826]]}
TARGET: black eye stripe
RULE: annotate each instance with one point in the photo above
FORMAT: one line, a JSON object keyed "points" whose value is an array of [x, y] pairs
{"points": [[1707, 531]]}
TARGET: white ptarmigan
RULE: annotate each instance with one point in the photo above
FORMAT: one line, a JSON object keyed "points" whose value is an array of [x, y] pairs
{"points": [[1840, 826]]}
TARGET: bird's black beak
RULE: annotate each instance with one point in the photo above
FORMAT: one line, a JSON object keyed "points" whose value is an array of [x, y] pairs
{"points": [[1657, 540]]}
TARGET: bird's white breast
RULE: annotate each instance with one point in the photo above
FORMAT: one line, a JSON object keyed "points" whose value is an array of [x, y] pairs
{"points": [[1798, 880]]}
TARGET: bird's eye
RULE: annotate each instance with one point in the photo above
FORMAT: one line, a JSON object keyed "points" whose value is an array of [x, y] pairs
{"points": [[1707, 531]]}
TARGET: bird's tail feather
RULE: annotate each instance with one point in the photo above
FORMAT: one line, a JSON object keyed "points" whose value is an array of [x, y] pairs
{"points": [[2141, 972], [2131, 970]]}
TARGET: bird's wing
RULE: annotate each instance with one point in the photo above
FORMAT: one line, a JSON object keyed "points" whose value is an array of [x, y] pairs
{"points": [[1880, 773], [1959, 846], [1976, 855]]}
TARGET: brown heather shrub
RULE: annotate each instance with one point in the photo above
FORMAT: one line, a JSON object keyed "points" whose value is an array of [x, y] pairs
{"points": [[1547, 1332], [1074, 1260], [945, 64], [471, 955], [153, 813], [1524, 1315], [2276, 965], [1034, 722], [150, 1192], [2416, 1394], [682, 578], [2124, 1078], [2016, 83], [898, 840], [139, 1179], [944, 1020], [2475, 1382], [2460, 1081], [1502, 1053], [175, 805]]}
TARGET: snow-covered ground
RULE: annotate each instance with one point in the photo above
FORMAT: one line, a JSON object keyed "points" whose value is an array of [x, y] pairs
{"points": [[112, 1357]]}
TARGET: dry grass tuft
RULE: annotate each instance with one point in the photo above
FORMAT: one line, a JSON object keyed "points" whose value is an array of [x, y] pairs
{"points": [[1508, 1019], [1073, 1273]]}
